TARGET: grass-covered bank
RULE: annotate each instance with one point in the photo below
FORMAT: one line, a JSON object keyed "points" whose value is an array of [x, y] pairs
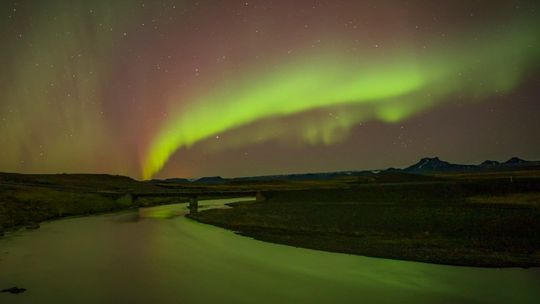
{"points": [[435, 222], [29, 206], [26, 200]]}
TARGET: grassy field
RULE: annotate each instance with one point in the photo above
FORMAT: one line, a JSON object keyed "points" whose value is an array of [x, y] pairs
{"points": [[488, 222], [530, 199]]}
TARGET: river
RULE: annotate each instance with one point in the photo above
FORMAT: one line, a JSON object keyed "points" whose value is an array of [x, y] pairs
{"points": [[156, 255]]}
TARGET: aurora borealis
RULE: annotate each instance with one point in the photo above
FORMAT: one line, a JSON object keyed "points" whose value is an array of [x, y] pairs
{"points": [[192, 88]]}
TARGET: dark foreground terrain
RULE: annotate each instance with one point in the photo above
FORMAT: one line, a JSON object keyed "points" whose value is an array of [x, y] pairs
{"points": [[26, 200], [489, 220]]}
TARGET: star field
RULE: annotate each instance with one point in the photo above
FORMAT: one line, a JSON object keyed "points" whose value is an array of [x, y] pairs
{"points": [[192, 88]]}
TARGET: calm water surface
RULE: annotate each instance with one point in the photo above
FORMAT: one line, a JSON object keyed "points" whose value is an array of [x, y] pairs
{"points": [[156, 255]]}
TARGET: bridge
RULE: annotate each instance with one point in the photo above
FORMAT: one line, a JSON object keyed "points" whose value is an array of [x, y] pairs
{"points": [[191, 197]]}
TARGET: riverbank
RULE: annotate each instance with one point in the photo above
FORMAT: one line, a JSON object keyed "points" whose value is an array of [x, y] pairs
{"points": [[488, 220], [484, 224], [27, 200], [16, 214]]}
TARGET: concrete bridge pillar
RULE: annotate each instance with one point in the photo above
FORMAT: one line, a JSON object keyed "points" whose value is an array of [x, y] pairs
{"points": [[193, 204]]}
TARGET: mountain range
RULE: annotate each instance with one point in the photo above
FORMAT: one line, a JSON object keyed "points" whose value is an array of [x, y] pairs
{"points": [[427, 165], [435, 165]]}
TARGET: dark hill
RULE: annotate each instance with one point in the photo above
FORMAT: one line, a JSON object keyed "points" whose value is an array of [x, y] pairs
{"points": [[211, 180], [434, 164], [83, 181], [490, 163], [516, 161]]}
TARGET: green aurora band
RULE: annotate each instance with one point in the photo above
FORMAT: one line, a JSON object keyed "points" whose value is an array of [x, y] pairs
{"points": [[389, 88]]}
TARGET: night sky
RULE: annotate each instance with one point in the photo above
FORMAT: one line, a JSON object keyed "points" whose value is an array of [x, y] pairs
{"points": [[155, 89]]}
